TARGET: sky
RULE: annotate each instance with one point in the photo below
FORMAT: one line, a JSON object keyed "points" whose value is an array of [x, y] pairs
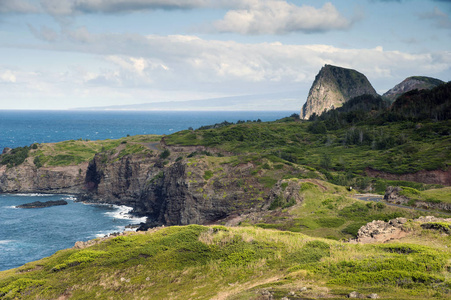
{"points": [[62, 54]]}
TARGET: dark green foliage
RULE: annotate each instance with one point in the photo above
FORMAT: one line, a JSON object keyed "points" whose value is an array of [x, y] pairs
{"points": [[165, 154], [353, 228], [38, 161], [317, 127], [15, 157], [279, 201], [424, 104]]}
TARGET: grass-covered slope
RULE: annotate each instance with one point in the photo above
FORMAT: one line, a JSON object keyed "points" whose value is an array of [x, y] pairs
{"points": [[342, 153], [74, 152], [197, 262]]}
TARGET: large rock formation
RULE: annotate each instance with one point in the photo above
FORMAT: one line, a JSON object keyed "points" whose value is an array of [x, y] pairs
{"points": [[412, 83], [332, 87]]}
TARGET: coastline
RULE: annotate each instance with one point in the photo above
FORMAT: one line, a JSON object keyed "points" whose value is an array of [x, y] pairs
{"points": [[29, 235]]}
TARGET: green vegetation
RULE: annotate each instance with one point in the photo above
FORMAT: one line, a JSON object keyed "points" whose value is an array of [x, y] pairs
{"points": [[327, 211], [74, 152], [432, 195], [15, 157], [343, 154], [197, 262], [302, 172]]}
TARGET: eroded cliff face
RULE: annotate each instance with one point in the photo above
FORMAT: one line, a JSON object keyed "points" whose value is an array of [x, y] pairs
{"points": [[332, 87], [26, 178], [178, 190]]}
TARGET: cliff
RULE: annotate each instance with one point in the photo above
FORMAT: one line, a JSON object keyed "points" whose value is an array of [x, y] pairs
{"points": [[178, 190], [412, 83], [332, 87]]}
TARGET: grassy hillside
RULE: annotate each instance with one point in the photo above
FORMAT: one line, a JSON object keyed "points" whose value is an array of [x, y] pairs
{"points": [[74, 152], [197, 262], [342, 153]]}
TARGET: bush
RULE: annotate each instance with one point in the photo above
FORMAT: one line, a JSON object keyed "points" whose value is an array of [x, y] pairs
{"points": [[165, 154]]}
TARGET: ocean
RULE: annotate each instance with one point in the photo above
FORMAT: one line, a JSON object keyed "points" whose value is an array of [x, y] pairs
{"points": [[31, 234]]}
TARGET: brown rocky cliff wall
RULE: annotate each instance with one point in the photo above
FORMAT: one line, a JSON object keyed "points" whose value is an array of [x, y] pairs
{"points": [[26, 178]]}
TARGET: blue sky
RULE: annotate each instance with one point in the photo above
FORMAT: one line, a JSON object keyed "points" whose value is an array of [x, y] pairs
{"points": [[60, 54]]}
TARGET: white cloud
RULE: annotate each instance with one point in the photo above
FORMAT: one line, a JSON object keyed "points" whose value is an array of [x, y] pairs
{"points": [[279, 17], [73, 7], [17, 6], [189, 62], [7, 76]]}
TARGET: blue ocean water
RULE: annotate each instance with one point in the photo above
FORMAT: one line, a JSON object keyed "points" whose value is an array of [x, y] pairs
{"points": [[31, 234], [22, 128]]}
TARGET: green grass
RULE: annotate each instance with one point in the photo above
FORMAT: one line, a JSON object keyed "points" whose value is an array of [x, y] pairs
{"points": [[74, 152], [197, 262], [409, 149]]}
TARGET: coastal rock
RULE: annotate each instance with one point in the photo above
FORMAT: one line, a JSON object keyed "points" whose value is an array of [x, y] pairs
{"points": [[332, 87], [39, 204]]}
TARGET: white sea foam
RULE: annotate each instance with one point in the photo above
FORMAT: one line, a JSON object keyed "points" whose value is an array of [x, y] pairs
{"points": [[11, 207], [4, 242], [124, 213], [32, 195], [70, 198]]}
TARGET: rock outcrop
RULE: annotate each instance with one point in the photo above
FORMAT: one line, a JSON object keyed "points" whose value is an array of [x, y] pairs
{"points": [[412, 83], [39, 204], [381, 232], [332, 87]]}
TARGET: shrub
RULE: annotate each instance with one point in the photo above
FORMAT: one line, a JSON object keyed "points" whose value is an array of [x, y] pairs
{"points": [[165, 154], [208, 174]]}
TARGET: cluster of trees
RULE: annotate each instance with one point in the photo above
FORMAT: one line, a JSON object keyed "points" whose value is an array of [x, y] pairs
{"points": [[225, 123], [417, 105], [15, 156]]}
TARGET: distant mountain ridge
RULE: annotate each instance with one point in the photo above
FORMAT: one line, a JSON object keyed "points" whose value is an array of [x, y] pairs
{"points": [[332, 87], [284, 101], [412, 83]]}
